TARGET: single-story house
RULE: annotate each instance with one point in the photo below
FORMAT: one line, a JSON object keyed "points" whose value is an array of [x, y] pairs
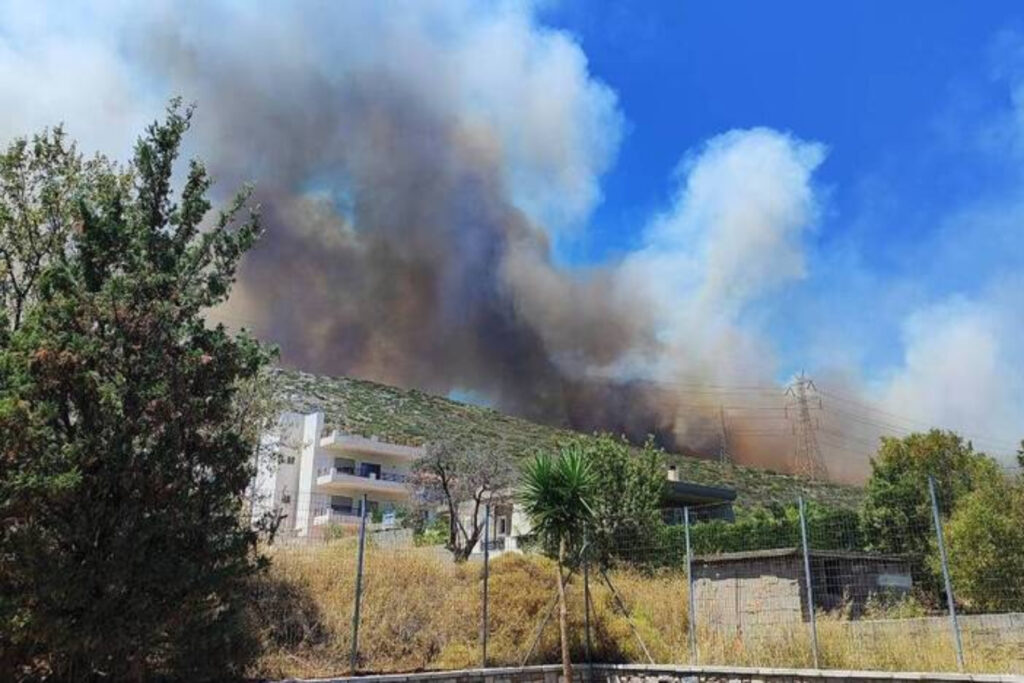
{"points": [[765, 588], [509, 524]]}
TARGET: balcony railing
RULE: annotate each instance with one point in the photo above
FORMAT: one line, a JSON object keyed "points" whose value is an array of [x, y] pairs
{"points": [[396, 477], [494, 544], [352, 515], [339, 515]]}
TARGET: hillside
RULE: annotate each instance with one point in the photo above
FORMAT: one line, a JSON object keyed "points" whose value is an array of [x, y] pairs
{"points": [[413, 417]]}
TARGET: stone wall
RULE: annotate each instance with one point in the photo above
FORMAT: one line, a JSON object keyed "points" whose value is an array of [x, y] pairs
{"points": [[632, 673]]}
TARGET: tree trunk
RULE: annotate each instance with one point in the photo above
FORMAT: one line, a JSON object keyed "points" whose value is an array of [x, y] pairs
{"points": [[563, 615]]}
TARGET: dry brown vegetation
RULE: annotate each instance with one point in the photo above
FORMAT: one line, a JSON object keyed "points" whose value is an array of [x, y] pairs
{"points": [[421, 611]]}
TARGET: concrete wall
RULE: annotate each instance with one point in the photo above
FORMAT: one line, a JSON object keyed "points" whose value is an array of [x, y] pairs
{"points": [[755, 593], [978, 630], [631, 673]]}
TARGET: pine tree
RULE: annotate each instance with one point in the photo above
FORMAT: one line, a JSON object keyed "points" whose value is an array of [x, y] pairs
{"points": [[122, 462]]}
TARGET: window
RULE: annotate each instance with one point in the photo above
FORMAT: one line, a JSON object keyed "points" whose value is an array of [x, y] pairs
{"points": [[369, 470], [502, 525], [343, 505], [290, 460], [286, 498]]}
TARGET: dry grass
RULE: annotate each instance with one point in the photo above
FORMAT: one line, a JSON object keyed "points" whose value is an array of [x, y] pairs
{"points": [[421, 611]]}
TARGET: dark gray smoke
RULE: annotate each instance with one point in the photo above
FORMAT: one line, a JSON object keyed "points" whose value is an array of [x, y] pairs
{"points": [[423, 278], [419, 164]]}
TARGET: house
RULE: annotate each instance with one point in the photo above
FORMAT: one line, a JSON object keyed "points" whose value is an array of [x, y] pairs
{"points": [[704, 502], [761, 589], [509, 525], [316, 480]]}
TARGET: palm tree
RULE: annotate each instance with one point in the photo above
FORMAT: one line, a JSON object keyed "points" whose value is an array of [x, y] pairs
{"points": [[557, 495]]}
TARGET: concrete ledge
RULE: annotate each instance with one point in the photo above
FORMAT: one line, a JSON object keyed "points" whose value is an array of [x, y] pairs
{"points": [[664, 673], [768, 674]]}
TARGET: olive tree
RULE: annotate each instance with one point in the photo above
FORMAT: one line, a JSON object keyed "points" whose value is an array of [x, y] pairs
{"points": [[459, 481]]}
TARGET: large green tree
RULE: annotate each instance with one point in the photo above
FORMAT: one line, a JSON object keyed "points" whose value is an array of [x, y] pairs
{"points": [[122, 460], [896, 516], [629, 488]]}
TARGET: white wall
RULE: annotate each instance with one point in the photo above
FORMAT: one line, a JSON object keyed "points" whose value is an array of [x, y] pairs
{"points": [[312, 425]]}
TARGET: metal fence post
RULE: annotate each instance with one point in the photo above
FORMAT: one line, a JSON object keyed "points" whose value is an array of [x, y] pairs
{"points": [[487, 559], [807, 578], [586, 609], [353, 661], [689, 589], [953, 623]]}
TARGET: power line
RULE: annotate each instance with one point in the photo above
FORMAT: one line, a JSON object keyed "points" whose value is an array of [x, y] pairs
{"points": [[908, 424]]}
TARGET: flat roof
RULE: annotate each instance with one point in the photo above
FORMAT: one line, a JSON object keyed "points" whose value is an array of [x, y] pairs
{"points": [[687, 493], [351, 442]]}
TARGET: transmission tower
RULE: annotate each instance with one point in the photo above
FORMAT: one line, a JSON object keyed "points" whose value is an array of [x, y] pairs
{"points": [[803, 397], [723, 437]]}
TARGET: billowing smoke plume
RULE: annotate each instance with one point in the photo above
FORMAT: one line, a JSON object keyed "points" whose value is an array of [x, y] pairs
{"points": [[418, 164], [413, 183]]}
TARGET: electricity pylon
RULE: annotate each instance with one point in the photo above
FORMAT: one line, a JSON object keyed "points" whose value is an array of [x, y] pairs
{"points": [[803, 397], [723, 437]]}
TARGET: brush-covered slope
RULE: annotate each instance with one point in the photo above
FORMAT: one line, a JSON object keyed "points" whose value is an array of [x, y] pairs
{"points": [[413, 417]]}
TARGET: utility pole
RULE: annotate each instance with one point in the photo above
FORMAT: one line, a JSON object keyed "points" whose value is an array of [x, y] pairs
{"points": [[723, 437], [803, 396]]}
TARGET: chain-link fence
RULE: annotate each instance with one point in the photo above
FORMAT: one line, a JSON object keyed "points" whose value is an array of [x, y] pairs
{"points": [[788, 585]]}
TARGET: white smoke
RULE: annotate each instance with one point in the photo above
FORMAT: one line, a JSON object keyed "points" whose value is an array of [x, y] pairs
{"points": [[733, 235]]}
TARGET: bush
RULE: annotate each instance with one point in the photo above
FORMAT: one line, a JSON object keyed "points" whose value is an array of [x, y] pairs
{"points": [[762, 528], [986, 547]]}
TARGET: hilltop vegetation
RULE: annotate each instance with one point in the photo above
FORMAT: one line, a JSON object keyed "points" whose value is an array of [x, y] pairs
{"points": [[414, 417]]}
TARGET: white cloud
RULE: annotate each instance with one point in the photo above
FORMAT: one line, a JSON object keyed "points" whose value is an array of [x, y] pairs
{"points": [[963, 369]]}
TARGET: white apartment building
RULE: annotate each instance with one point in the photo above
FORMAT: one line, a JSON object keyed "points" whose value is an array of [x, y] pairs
{"points": [[317, 480]]}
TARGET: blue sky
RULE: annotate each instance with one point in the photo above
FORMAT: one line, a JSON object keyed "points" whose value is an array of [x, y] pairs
{"points": [[873, 80], [900, 93]]}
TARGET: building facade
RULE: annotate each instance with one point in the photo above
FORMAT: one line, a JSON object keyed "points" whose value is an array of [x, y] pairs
{"points": [[316, 481], [509, 525]]}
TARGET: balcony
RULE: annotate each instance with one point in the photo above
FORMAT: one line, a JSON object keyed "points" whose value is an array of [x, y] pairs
{"points": [[341, 517], [349, 479], [351, 516], [496, 546], [350, 443]]}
